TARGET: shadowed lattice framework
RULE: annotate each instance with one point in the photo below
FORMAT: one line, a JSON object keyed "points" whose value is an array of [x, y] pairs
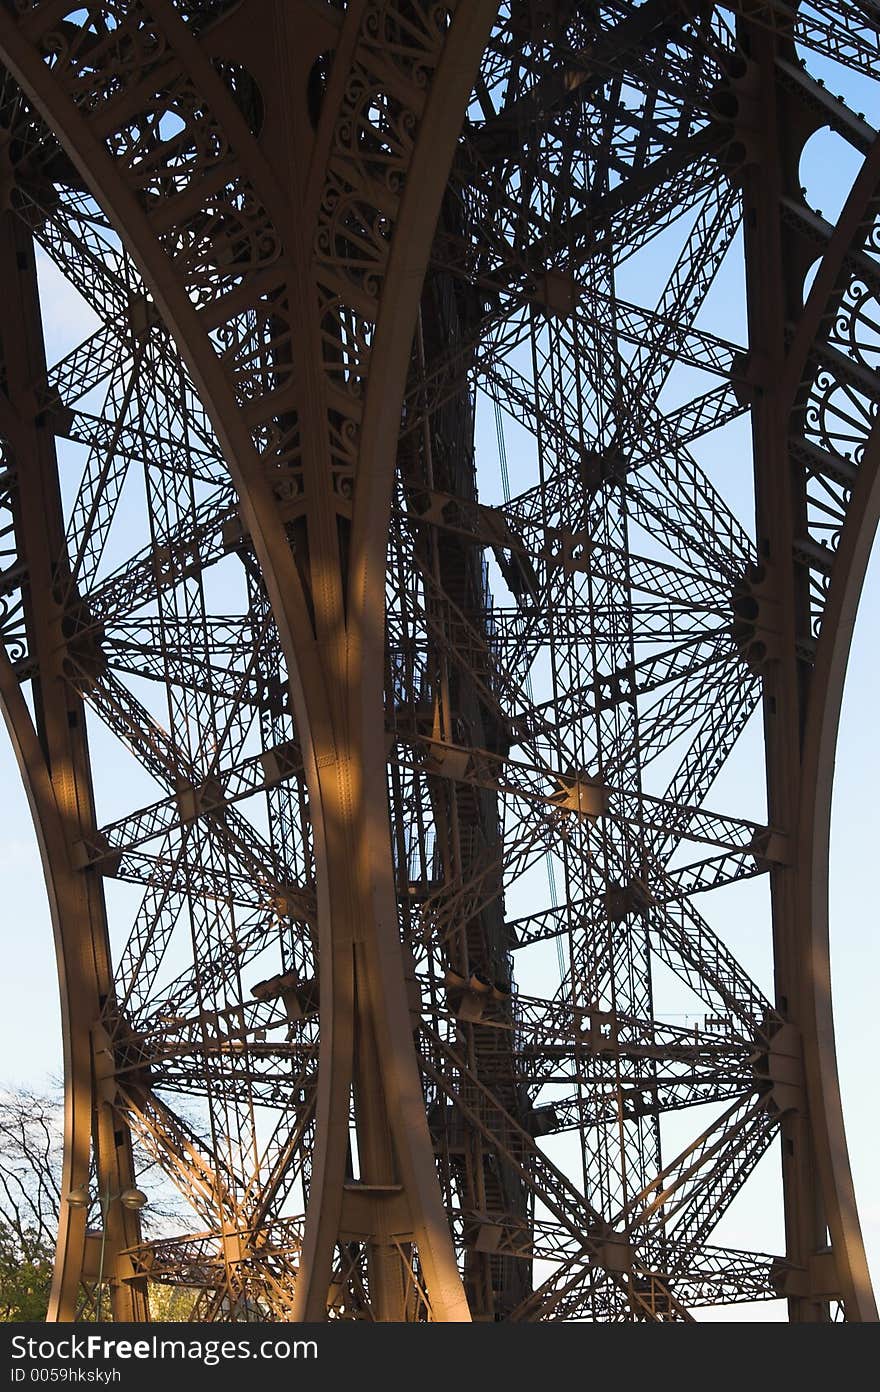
{"points": [[460, 496]]}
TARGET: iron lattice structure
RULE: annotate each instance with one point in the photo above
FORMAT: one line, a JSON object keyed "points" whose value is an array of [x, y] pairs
{"points": [[375, 776]]}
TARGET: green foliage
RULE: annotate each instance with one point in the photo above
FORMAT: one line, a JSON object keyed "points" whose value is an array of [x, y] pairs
{"points": [[30, 1199], [170, 1303], [25, 1275]]}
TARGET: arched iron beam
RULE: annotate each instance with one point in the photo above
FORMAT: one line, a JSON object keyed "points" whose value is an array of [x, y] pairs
{"points": [[355, 885], [802, 701], [53, 755], [817, 775], [83, 975], [814, 844]]}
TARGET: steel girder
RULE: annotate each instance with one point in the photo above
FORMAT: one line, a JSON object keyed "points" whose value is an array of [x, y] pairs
{"points": [[316, 238]]}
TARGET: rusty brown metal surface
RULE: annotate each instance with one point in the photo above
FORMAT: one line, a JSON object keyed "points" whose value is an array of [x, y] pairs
{"points": [[376, 628]]}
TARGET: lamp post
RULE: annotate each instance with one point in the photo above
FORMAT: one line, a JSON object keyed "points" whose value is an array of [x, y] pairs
{"points": [[131, 1198]]}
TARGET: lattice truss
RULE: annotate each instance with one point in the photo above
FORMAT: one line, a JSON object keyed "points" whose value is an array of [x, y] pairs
{"points": [[578, 631]]}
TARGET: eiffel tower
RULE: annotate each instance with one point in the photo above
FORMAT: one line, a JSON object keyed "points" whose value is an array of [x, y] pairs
{"points": [[427, 586]]}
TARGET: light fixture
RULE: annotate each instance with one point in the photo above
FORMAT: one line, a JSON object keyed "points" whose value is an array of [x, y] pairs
{"points": [[134, 1199], [79, 1198]]}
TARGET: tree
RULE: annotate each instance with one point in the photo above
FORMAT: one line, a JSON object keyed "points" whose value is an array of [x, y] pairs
{"points": [[25, 1276], [30, 1195], [30, 1200]]}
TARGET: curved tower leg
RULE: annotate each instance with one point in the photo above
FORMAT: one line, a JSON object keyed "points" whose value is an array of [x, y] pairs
{"points": [[54, 761], [820, 741], [312, 168], [801, 698]]}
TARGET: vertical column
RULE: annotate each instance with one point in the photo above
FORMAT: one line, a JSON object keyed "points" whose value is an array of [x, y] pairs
{"points": [[65, 804], [775, 299]]}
